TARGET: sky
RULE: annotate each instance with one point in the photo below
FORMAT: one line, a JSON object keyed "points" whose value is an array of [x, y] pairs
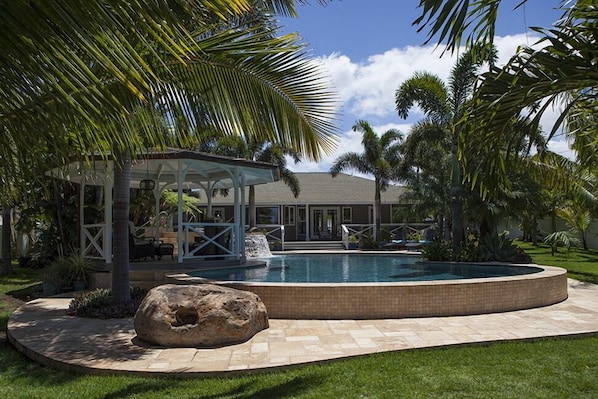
{"points": [[368, 48]]}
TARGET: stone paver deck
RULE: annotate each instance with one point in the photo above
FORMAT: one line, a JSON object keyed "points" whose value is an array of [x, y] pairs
{"points": [[43, 331]]}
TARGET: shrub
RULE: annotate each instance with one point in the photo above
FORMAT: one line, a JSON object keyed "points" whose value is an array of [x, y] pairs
{"points": [[100, 304], [439, 251], [497, 248], [500, 248]]}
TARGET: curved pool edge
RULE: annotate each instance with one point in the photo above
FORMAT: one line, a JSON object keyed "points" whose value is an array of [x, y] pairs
{"points": [[404, 299]]}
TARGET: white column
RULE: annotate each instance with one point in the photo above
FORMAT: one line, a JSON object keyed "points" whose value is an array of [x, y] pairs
{"points": [[243, 215], [236, 212], [307, 226]]}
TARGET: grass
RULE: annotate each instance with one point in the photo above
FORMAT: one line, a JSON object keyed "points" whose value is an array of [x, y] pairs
{"points": [[14, 289], [554, 368], [581, 265]]}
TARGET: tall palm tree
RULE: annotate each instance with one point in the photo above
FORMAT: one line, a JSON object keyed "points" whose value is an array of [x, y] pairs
{"points": [[80, 80], [560, 70], [380, 158], [261, 151], [6, 262], [426, 165], [444, 106]]}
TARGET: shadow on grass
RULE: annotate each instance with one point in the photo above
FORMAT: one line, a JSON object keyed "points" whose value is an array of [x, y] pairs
{"points": [[583, 276], [15, 367], [19, 369], [235, 387], [28, 293]]}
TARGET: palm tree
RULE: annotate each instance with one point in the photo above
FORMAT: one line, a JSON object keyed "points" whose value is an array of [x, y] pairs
{"points": [[6, 263], [381, 158], [444, 107], [560, 70], [426, 165], [219, 62], [258, 151]]}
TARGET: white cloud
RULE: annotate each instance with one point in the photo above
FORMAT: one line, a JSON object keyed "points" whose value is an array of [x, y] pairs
{"points": [[561, 147], [350, 141], [367, 89]]}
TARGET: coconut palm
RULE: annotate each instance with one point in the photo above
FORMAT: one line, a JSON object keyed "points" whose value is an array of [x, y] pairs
{"points": [[90, 83], [426, 165], [258, 151], [560, 70], [381, 159], [443, 106]]}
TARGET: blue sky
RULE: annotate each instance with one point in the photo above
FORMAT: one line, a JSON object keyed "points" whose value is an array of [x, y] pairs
{"points": [[369, 48]]}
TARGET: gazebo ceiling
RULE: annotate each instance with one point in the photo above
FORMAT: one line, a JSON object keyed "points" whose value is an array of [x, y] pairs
{"points": [[163, 167]]}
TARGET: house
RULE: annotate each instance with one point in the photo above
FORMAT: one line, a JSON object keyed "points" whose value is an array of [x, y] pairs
{"points": [[323, 205]]}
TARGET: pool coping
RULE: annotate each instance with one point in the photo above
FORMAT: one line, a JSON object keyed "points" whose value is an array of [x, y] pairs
{"points": [[42, 331]]}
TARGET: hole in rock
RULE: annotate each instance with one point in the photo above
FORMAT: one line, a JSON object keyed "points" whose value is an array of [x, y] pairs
{"points": [[185, 316]]}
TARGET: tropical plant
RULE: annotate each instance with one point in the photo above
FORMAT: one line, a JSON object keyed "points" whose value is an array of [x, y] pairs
{"points": [[438, 251], [578, 218], [564, 237], [101, 304], [65, 271], [443, 106], [558, 71], [103, 81], [500, 248], [261, 151], [381, 158]]}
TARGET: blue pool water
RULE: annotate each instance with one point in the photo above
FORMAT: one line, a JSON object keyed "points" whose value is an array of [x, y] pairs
{"points": [[345, 268]]}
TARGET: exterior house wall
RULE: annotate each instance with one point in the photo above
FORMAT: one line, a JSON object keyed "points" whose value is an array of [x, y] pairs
{"points": [[323, 205]]}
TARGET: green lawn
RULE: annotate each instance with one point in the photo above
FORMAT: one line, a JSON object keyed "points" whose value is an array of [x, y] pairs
{"points": [[547, 368], [581, 265]]}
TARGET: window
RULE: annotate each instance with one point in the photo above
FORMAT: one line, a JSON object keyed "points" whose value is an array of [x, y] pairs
{"points": [[347, 214], [289, 216], [267, 215]]}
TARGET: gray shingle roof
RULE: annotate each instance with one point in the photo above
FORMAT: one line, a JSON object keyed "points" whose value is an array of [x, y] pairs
{"points": [[321, 188]]}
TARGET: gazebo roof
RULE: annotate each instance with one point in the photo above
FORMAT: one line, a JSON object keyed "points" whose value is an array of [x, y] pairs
{"points": [[163, 167]]}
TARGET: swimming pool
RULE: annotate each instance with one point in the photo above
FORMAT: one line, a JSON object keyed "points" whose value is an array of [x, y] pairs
{"points": [[357, 268], [533, 286]]}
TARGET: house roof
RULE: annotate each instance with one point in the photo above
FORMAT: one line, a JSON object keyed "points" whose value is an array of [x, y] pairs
{"points": [[320, 189]]}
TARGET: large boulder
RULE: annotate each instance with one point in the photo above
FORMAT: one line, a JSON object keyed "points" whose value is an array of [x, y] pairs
{"points": [[200, 316]]}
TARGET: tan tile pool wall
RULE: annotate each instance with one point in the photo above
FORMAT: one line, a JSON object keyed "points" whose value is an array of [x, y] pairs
{"points": [[411, 299]]}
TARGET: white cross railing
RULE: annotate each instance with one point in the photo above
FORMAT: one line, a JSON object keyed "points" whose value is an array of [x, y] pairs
{"points": [[93, 245], [209, 240]]}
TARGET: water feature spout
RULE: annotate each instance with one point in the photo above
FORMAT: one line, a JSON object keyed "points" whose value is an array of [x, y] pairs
{"points": [[256, 246]]}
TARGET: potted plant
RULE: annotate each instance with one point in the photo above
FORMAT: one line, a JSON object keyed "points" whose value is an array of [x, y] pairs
{"points": [[352, 241], [52, 280], [75, 270]]}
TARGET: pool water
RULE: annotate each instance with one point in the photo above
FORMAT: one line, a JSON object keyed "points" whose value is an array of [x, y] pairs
{"points": [[345, 268]]}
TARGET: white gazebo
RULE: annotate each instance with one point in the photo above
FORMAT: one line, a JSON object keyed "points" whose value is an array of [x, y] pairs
{"points": [[175, 170]]}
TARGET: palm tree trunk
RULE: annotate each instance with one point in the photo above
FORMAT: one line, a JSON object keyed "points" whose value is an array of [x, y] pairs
{"points": [[6, 264], [377, 209], [251, 206], [456, 197], [120, 259]]}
